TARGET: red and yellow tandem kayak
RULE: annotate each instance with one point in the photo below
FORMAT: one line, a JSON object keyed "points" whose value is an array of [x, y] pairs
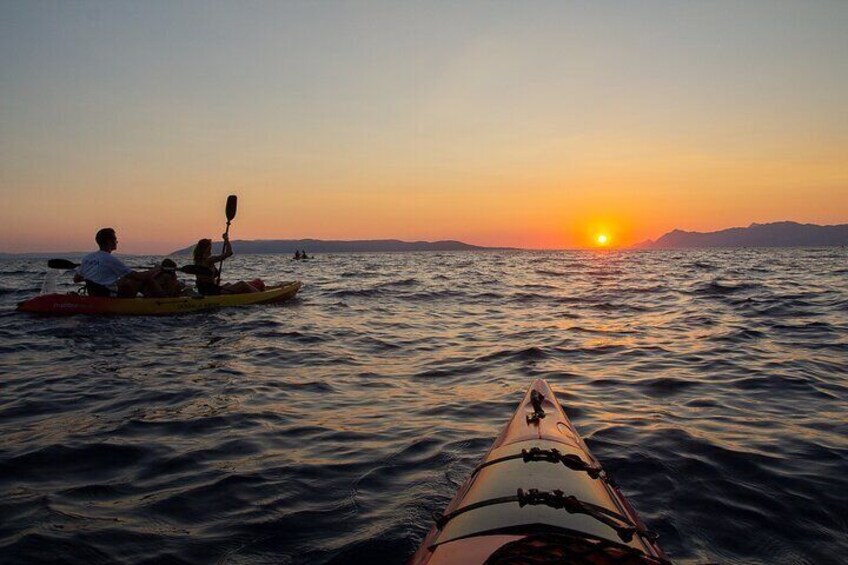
{"points": [[539, 496], [66, 304]]}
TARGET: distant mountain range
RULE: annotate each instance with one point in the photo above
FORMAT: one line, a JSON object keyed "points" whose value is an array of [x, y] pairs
{"points": [[338, 246], [777, 234]]}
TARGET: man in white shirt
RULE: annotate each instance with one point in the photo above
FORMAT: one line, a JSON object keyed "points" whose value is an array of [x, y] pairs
{"points": [[106, 275]]}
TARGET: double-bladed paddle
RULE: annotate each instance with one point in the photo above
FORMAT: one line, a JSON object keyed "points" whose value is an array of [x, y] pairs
{"points": [[187, 269]]}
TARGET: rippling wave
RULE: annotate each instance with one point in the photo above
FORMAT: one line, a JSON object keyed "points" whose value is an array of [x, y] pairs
{"points": [[712, 384]]}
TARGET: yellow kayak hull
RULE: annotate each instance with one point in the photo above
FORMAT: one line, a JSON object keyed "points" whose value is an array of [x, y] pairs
{"points": [[68, 304]]}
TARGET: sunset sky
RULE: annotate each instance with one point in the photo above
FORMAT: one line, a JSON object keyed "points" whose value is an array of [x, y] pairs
{"points": [[531, 124]]}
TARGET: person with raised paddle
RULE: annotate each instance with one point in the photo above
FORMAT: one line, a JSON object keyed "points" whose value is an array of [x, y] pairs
{"points": [[107, 276], [209, 284]]}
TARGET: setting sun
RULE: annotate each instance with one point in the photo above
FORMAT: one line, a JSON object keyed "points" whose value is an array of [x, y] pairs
{"points": [[602, 239]]}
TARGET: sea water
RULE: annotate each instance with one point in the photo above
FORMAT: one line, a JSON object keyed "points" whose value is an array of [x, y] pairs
{"points": [[713, 385]]}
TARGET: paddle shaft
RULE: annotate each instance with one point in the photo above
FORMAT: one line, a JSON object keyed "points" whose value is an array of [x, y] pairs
{"points": [[230, 212], [223, 252]]}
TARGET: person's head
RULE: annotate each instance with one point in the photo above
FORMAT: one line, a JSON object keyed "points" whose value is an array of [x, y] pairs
{"points": [[168, 266], [202, 250], [167, 271], [106, 239]]}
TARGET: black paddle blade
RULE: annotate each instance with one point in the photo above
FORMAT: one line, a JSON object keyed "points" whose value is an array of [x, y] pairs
{"points": [[61, 264], [232, 204], [196, 270]]}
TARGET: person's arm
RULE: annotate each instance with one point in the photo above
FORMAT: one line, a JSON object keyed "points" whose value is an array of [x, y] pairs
{"points": [[218, 258], [78, 272], [228, 251], [121, 270], [144, 276]]}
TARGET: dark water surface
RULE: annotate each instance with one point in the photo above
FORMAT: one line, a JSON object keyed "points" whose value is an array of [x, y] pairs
{"points": [[712, 384]]}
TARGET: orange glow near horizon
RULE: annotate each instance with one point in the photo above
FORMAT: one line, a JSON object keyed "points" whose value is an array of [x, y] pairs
{"points": [[628, 188], [501, 218]]}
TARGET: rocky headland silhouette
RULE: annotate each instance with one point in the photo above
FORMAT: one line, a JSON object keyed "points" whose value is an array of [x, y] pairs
{"points": [[776, 234]]}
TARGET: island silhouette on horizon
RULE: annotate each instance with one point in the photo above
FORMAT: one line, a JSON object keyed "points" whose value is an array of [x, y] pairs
{"points": [[289, 246], [775, 234]]}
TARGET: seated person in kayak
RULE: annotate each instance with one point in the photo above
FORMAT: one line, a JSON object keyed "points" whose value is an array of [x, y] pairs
{"points": [[208, 284], [105, 275], [167, 279]]}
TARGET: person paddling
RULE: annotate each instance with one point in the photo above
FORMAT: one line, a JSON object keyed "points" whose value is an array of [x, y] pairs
{"points": [[105, 275], [208, 284]]}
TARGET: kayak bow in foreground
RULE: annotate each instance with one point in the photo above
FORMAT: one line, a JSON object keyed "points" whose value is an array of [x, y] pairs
{"points": [[66, 304], [539, 496]]}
